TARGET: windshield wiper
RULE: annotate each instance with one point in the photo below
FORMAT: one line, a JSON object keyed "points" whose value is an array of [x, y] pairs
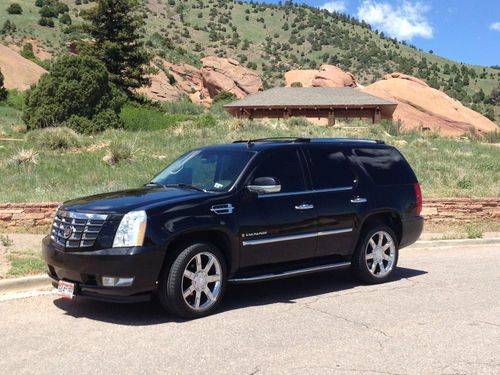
{"points": [[154, 183], [186, 186]]}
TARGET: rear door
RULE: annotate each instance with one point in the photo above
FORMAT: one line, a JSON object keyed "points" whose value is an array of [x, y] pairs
{"points": [[278, 227], [334, 182]]}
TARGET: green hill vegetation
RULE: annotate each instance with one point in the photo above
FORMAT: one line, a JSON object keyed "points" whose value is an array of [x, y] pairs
{"points": [[271, 39]]}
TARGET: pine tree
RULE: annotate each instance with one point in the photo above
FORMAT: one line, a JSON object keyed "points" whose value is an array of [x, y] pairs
{"points": [[3, 91], [117, 27]]}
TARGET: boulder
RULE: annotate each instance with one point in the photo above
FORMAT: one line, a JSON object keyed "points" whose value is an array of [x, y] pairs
{"points": [[160, 88], [19, 73], [304, 77], [326, 76], [331, 76], [224, 74], [423, 107]]}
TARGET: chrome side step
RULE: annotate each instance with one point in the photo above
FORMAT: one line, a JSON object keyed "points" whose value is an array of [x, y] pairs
{"points": [[282, 275]]}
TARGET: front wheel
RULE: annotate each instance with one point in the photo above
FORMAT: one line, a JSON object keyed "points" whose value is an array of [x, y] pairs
{"points": [[195, 283], [377, 254]]}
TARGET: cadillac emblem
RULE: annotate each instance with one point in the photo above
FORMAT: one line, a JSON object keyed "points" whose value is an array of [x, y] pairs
{"points": [[68, 231]]}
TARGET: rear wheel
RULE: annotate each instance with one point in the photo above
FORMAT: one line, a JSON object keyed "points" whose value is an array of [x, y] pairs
{"points": [[195, 282], [377, 254]]}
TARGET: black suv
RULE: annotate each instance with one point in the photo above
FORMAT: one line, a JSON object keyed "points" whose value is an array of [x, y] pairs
{"points": [[243, 212]]}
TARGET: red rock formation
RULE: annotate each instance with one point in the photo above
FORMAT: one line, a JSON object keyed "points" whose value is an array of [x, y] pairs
{"points": [[221, 74], [421, 106], [326, 76], [19, 73]]}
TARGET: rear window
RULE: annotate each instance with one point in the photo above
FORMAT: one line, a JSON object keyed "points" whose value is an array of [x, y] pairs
{"points": [[386, 166]]}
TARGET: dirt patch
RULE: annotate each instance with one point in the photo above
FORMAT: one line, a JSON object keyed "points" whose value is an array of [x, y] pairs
{"points": [[38, 49]]}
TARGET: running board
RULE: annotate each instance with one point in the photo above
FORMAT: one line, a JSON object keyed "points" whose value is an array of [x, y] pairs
{"points": [[297, 272]]}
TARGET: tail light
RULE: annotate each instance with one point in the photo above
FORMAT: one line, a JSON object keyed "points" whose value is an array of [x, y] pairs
{"points": [[418, 197]]}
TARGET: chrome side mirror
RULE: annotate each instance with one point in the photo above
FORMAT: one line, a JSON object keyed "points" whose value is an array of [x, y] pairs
{"points": [[265, 185]]}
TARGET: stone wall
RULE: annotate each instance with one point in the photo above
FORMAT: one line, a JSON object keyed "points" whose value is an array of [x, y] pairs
{"points": [[15, 216], [460, 209]]}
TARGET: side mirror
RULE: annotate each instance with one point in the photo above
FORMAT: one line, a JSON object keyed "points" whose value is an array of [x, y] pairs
{"points": [[265, 185]]}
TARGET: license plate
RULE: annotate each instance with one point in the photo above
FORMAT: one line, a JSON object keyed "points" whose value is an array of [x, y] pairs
{"points": [[65, 289]]}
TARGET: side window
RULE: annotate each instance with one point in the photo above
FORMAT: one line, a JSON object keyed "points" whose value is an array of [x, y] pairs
{"points": [[330, 168], [285, 166]]}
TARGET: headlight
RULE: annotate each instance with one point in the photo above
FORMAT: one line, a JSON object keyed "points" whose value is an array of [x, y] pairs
{"points": [[131, 230]]}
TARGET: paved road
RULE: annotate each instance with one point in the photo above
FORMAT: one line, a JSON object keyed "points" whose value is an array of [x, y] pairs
{"points": [[440, 315]]}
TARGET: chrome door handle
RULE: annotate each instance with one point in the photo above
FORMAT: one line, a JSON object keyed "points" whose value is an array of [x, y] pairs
{"points": [[304, 206], [359, 200]]}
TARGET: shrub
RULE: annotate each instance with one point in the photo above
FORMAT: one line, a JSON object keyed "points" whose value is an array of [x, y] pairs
{"points": [[75, 86], [223, 96], [79, 124], [296, 84], [492, 137], [45, 21], [27, 51], [65, 19], [3, 90], [393, 128], [24, 158], [15, 8], [206, 121], [298, 121], [473, 231], [39, 3], [55, 138], [119, 151], [182, 107], [6, 240]]}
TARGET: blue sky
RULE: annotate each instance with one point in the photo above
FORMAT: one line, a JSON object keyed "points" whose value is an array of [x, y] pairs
{"points": [[462, 30]]}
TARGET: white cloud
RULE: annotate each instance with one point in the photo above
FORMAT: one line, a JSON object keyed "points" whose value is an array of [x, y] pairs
{"points": [[334, 6], [403, 21], [495, 26]]}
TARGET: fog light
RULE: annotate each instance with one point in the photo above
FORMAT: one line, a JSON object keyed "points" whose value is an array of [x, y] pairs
{"points": [[117, 281]]}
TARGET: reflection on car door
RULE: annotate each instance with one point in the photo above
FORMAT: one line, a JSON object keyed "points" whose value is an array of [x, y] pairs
{"points": [[279, 227]]}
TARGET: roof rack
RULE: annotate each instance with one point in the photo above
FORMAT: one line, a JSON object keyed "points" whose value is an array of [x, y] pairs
{"points": [[274, 139]]}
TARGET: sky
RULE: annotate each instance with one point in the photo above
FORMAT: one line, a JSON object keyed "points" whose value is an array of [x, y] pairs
{"points": [[462, 30]]}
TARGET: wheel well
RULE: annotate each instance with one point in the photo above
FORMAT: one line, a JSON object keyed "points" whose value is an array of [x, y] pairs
{"points": [[217, 238], [391, 219]]}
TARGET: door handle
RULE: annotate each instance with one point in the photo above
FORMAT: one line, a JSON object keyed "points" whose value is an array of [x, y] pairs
{"points": [[359, 200], [304, 206]]}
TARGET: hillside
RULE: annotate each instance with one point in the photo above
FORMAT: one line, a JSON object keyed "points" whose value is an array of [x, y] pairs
{"points": [[273, 39]]}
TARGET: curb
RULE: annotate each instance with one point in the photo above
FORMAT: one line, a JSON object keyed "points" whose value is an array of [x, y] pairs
{"points": [[444, 243], [24, 284]]}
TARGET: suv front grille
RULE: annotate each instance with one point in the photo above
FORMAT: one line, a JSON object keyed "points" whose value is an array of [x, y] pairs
{"points": [[76, 229]]}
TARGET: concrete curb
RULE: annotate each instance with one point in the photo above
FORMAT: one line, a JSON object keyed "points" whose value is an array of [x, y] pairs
{"points": [[24, 284], [444, 243]]}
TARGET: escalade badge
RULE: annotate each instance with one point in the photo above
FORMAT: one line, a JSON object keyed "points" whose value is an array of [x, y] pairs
{"points": [[68, 231]]}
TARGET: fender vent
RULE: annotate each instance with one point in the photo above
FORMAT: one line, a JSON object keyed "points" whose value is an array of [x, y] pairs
{"points": [[222, 209]]}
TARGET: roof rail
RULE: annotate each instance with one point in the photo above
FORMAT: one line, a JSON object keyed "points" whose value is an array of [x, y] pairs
{"points": [[275, 139]]}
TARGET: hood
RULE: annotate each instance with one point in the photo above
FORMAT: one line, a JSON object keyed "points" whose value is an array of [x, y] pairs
{"points": [[124, 201]]}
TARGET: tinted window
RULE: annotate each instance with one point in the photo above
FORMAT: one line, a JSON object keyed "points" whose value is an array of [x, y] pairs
{"points": [[285, 166], [329, 168], [386, 166]]}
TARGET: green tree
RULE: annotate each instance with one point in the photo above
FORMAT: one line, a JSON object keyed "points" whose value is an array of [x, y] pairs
{"points": [[3, 91], [15, 8], [76, 87], [117, 27]]}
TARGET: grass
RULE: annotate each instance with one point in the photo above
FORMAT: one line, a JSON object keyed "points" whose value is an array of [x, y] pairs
{"points": [[445, 167], [24, 263], [5, 240]]}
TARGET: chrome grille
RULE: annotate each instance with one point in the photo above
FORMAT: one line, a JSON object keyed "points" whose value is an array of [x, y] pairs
{"points": [[76, 229]]}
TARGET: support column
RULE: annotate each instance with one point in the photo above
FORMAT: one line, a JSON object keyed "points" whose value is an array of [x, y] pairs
{"points": [[376, 116], [331, 118]]}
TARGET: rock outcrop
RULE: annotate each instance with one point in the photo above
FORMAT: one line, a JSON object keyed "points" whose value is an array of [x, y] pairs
{"points": [[423, 107], [217, 74], [19, 73], [221, 74], [326, 76]]}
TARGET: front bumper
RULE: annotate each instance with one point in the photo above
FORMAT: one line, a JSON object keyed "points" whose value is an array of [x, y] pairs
{"points": [[411, 230], [86, 268]]}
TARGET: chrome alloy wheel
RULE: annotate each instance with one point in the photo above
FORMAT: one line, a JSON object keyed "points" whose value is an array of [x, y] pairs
{"points": [[380, 254], [201, 281]]}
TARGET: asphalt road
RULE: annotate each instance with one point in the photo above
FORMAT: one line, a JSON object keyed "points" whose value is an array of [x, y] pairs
{"points": [[440, 315]]}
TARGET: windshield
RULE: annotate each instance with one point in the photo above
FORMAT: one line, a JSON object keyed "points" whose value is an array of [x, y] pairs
{"points": [[211, 170]]}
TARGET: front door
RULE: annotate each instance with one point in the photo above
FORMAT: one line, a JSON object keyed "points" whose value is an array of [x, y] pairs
{"points": [[278, 227]]}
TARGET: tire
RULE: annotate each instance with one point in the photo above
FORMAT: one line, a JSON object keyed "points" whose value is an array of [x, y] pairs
{"points": [[190, 287], [375, 264]]}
